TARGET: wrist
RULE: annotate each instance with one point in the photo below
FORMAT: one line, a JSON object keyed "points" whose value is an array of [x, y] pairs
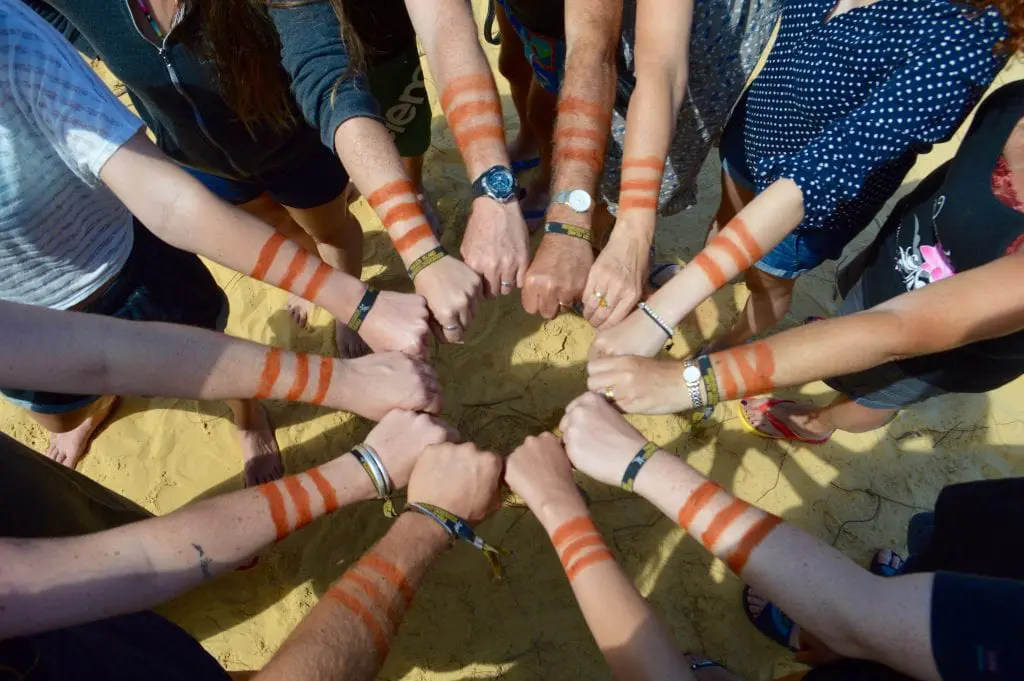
{"points": [[348, 477], [558, 212], [341, 295], [421, 248], [432, 533], [557, 509]]}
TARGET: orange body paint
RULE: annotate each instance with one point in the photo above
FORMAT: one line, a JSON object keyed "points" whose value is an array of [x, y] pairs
{"points": [[576, 546], [301, 377], [462, 84], [592, 558], [580, 154], [739, 228], [400, 212], [379, 599], [738, 257], [638, 202], [460, 114], [266, 256], [728, 388], [756, 365], [391, 573], [711, 269], [581, 133], [271, 370], [320, 276], [327, 492], [721, 523], [295, 268], [278, 513], [648, 162], [488, 132], [639, 186], [300, 497], [377, 635], [390, 191], [413, 237], [697, 501], [751, 540], [581, 107], [572, 529], [324, 382]]}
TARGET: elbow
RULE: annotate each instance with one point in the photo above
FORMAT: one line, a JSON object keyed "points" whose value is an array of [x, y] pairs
{"points": [[663, 77], [591, 53]]}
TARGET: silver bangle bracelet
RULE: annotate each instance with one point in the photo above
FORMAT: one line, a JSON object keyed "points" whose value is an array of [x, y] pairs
{"points": [[656, 318], [375, 469]]}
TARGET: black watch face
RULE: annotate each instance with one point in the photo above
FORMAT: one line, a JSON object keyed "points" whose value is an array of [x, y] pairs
{"points": [[500, 182]]}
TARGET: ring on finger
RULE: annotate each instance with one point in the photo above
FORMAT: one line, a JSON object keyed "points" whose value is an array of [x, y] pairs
{"points": [[609, 394], [508, 284], [601, 300], [452, 327]]}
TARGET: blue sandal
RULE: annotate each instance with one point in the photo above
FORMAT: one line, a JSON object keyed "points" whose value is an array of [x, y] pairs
{"points": [[881, 569], [525, 164], [771, 622]]}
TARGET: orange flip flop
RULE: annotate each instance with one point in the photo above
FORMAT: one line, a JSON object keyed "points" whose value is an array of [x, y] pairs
{"points": [[777, 424]]}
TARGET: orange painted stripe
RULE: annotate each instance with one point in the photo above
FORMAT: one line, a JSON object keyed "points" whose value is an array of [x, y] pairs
{"points": [[457, 86], [390, 191], [324, 383], [587, 156], [697, 501], [391, 573], [295, 268], [640, 185], [413, 237], [738, 257], [582, 133], [380, 639], [403, 211], [586, 561], [377, 596], [278, 513], [570, 529], [327, 492], [754, 536], [764, 365], [635, 202], [740, 229], [711, 269], [316, 282], [728, 388], [756, 365], [271, 370], [726, 517], [458, 115], [470, 136], [581, 107], [301, 377], [266, 256], [650, 162], [579, 545], [300, 497]]}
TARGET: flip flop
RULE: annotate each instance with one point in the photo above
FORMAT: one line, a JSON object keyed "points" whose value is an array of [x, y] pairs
{"points": [[525, 164], [771, 622], [877, 567], [701, 662], [660, 274], [775, 422]]}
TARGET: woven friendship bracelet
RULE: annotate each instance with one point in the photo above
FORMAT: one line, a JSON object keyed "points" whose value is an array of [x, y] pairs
{"points": [[426, 260], [363, 308], [458, 528], [662, 324], [567, 230], [374, 467], [710, 380], [636, 463]]}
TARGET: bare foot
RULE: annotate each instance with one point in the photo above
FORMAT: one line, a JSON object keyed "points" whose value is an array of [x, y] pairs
{"points": [[348, 342], [300, 310], [261, 457], [68, 447], [801, 418], [705, 669]]}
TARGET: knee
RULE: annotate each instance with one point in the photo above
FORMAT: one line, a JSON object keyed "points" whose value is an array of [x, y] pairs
{"points": [[512, 62], [764, 285], [541, 108]]}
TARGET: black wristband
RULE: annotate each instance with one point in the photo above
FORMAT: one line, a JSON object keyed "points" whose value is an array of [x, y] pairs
{"points": [[567, 230], [426, 260], [636, 463], [707, 373], [363, 308]]}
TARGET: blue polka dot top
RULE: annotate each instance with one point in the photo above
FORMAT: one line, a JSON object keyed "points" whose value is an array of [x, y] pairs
{"points": [[843, 107]]}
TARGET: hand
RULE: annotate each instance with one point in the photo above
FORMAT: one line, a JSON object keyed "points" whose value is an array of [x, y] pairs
{"points": [[540, 472], [401, 437], [640, 385], [558, 274], [618, 275], [451, 290], [460, 479], [399, 322], [638, 334], [497, 245], [598, 439], [379, 383]]}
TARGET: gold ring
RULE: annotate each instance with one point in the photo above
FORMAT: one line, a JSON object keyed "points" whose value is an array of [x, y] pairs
{"points": [[609, 394]]}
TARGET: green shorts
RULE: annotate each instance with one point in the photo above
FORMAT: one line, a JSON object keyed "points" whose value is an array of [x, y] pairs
{"points": [[397, 84]]}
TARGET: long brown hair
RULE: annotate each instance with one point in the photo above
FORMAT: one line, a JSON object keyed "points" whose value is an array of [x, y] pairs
{"points": [[241, 41], [1013, 13]]}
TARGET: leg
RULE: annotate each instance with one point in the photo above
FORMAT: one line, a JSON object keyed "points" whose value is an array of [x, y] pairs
{"points": [[71, 433], [261, 457], [414, 169], [541, 113], [813, 422], [516, 69], [769, 301]]}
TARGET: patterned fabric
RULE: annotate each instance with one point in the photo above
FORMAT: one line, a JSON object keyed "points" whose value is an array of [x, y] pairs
{"points": [[545, 54], [843, 106], [726, 42], [62, 233], [1002, 186]]}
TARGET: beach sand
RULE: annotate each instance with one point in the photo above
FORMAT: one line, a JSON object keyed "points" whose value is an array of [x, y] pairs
{"points": [[512, 378]]}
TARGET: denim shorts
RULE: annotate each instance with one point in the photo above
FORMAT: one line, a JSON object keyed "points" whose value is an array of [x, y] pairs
{"points": [[799, 252], [545, 54]]}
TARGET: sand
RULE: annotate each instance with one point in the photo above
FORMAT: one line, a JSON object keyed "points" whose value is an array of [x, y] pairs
{"points": [[512, 378]]}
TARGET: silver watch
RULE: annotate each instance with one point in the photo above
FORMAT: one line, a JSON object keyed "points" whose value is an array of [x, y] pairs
{"points": [[578, 200], [693, 377]]}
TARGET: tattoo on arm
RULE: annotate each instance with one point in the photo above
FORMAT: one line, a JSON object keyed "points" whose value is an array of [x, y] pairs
{"points": [[744, 370], [272, 371], [735, 247], [295, 489], [579, 545], [402, 214], [204, 562]]}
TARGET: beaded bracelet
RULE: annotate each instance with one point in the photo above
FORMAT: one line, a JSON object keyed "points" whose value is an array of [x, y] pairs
{"points": [[567, 230], [426, 260], [458, 528], [636, 463], [363, 308], [662, 324], [374, 467]]}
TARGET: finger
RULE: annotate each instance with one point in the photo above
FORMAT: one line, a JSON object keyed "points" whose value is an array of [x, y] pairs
{"points": [[453, 330], [435, 402], [530, 299], [465, 313], [603, 365], [509, 279], [618, 313], [436, 330], [601, 311], [590, 298], [521, 272], [490, 281], [598, 383], [564, 423], [550, 304]]}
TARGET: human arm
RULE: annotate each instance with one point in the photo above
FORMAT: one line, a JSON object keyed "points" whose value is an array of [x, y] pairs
{"points": [[496, 243], [46, 584], [634, 640], [348, 633], [335, 99], [74, 352], [816, 585], [662, 67], [970, 307], [559, 270]]}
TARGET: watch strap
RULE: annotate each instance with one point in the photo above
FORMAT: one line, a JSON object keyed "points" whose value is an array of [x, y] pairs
{"points": [[693, 386]]}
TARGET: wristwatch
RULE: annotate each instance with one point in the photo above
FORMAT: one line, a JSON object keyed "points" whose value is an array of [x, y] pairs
{"points": [[498, 183], [692, 377], [578, 200]]}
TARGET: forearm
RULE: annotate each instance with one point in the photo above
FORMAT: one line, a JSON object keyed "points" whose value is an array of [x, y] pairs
{"points": [[816, 585], [758, 228], [633, 639], [369, 154], [51, 583], [462, 76], [349, 632]]}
